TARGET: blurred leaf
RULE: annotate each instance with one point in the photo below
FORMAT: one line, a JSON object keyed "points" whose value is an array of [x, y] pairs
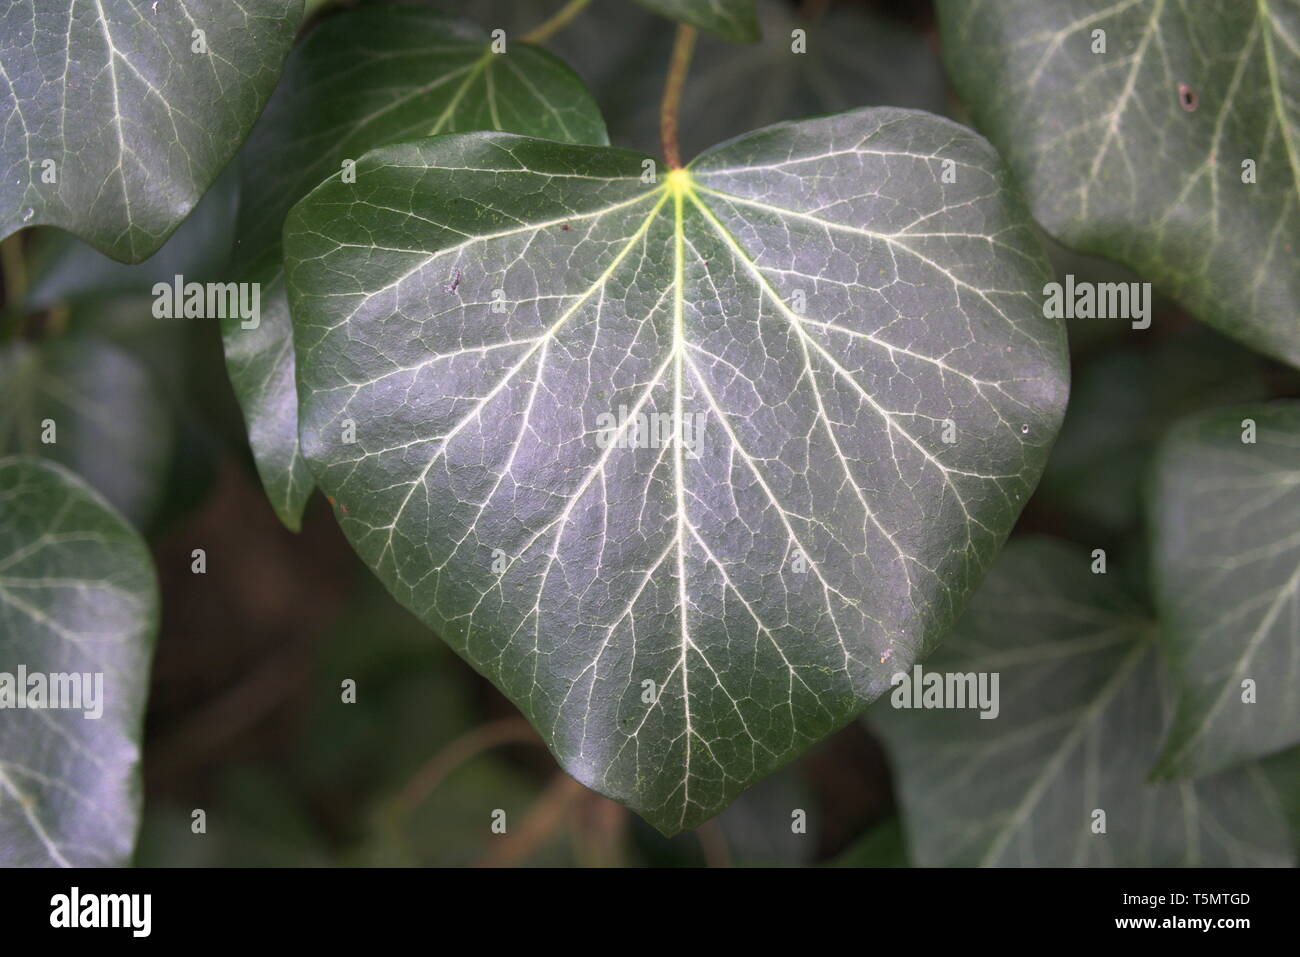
{"points": [[110, 425], [757, 826], [64, 268], [134, 121], [252, 820], [1282, 772], [77, 594], [1083, 703], [883, 845], [1137, 152], [1121, 403], [735, 20], [1225, 518], [364, 78]]}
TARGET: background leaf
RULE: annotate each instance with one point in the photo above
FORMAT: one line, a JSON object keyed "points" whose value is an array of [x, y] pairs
{"points": [[734, 19], [112, 426], [1083, 704], [136, 123], [77, 593], [812, 293], [1137, 153], [364, 78], [1225, 519], [1121, 404]]}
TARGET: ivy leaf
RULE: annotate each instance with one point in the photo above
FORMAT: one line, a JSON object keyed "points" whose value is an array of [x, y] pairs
{"points": [[1137, 153], [1082, 703], [1226, 526], [362, 79], [93, 407], [119, 114], [64, 269], [77, 594], [678, 610], [735, 20]]}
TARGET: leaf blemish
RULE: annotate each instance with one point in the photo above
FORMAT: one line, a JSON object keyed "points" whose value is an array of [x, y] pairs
{"points": [[1187, 97], [455, 282]]}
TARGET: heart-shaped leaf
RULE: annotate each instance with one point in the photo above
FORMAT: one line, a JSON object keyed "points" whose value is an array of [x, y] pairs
{"points": [[361, 79], [1163, 135], [686, 467], [734, 19], [1058, 778], [120, 113], [1225, 513], [78, 612]]}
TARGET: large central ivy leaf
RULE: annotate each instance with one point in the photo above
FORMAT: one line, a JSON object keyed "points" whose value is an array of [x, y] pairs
{"points": [[118, 114], [1226, 522], [1162, 134], [688, 468], [364, 78], [77, 598]]}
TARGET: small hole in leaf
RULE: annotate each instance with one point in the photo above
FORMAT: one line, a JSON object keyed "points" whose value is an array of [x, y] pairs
{"points": [[1187, 97]]}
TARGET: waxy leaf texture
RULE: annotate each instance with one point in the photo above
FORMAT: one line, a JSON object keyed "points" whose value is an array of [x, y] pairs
{"points": [[1162, 134], [118, 114], [688, 468], [362, 79]]}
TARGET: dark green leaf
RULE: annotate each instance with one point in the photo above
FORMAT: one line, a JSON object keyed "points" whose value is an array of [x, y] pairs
{"points": [[1225, 518], [77, 594], [1136, 153], [811, 303], [362, 79], [1082, 704], [734, 19], [99, 405], [64, 268], [134, 121]]}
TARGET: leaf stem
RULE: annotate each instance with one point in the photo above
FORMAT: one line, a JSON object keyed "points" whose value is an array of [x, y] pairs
{"points": [[548, 28], [669, 108]]}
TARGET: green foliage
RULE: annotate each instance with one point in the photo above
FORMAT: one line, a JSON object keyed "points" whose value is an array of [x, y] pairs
{"points": [[1133, 143], [690, 464], [813, 523], [77, 597]]}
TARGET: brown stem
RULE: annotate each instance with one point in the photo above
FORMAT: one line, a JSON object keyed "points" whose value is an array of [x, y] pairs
{"points": [[433, 771], [541, 821], [548, 28], [669, 108]]}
